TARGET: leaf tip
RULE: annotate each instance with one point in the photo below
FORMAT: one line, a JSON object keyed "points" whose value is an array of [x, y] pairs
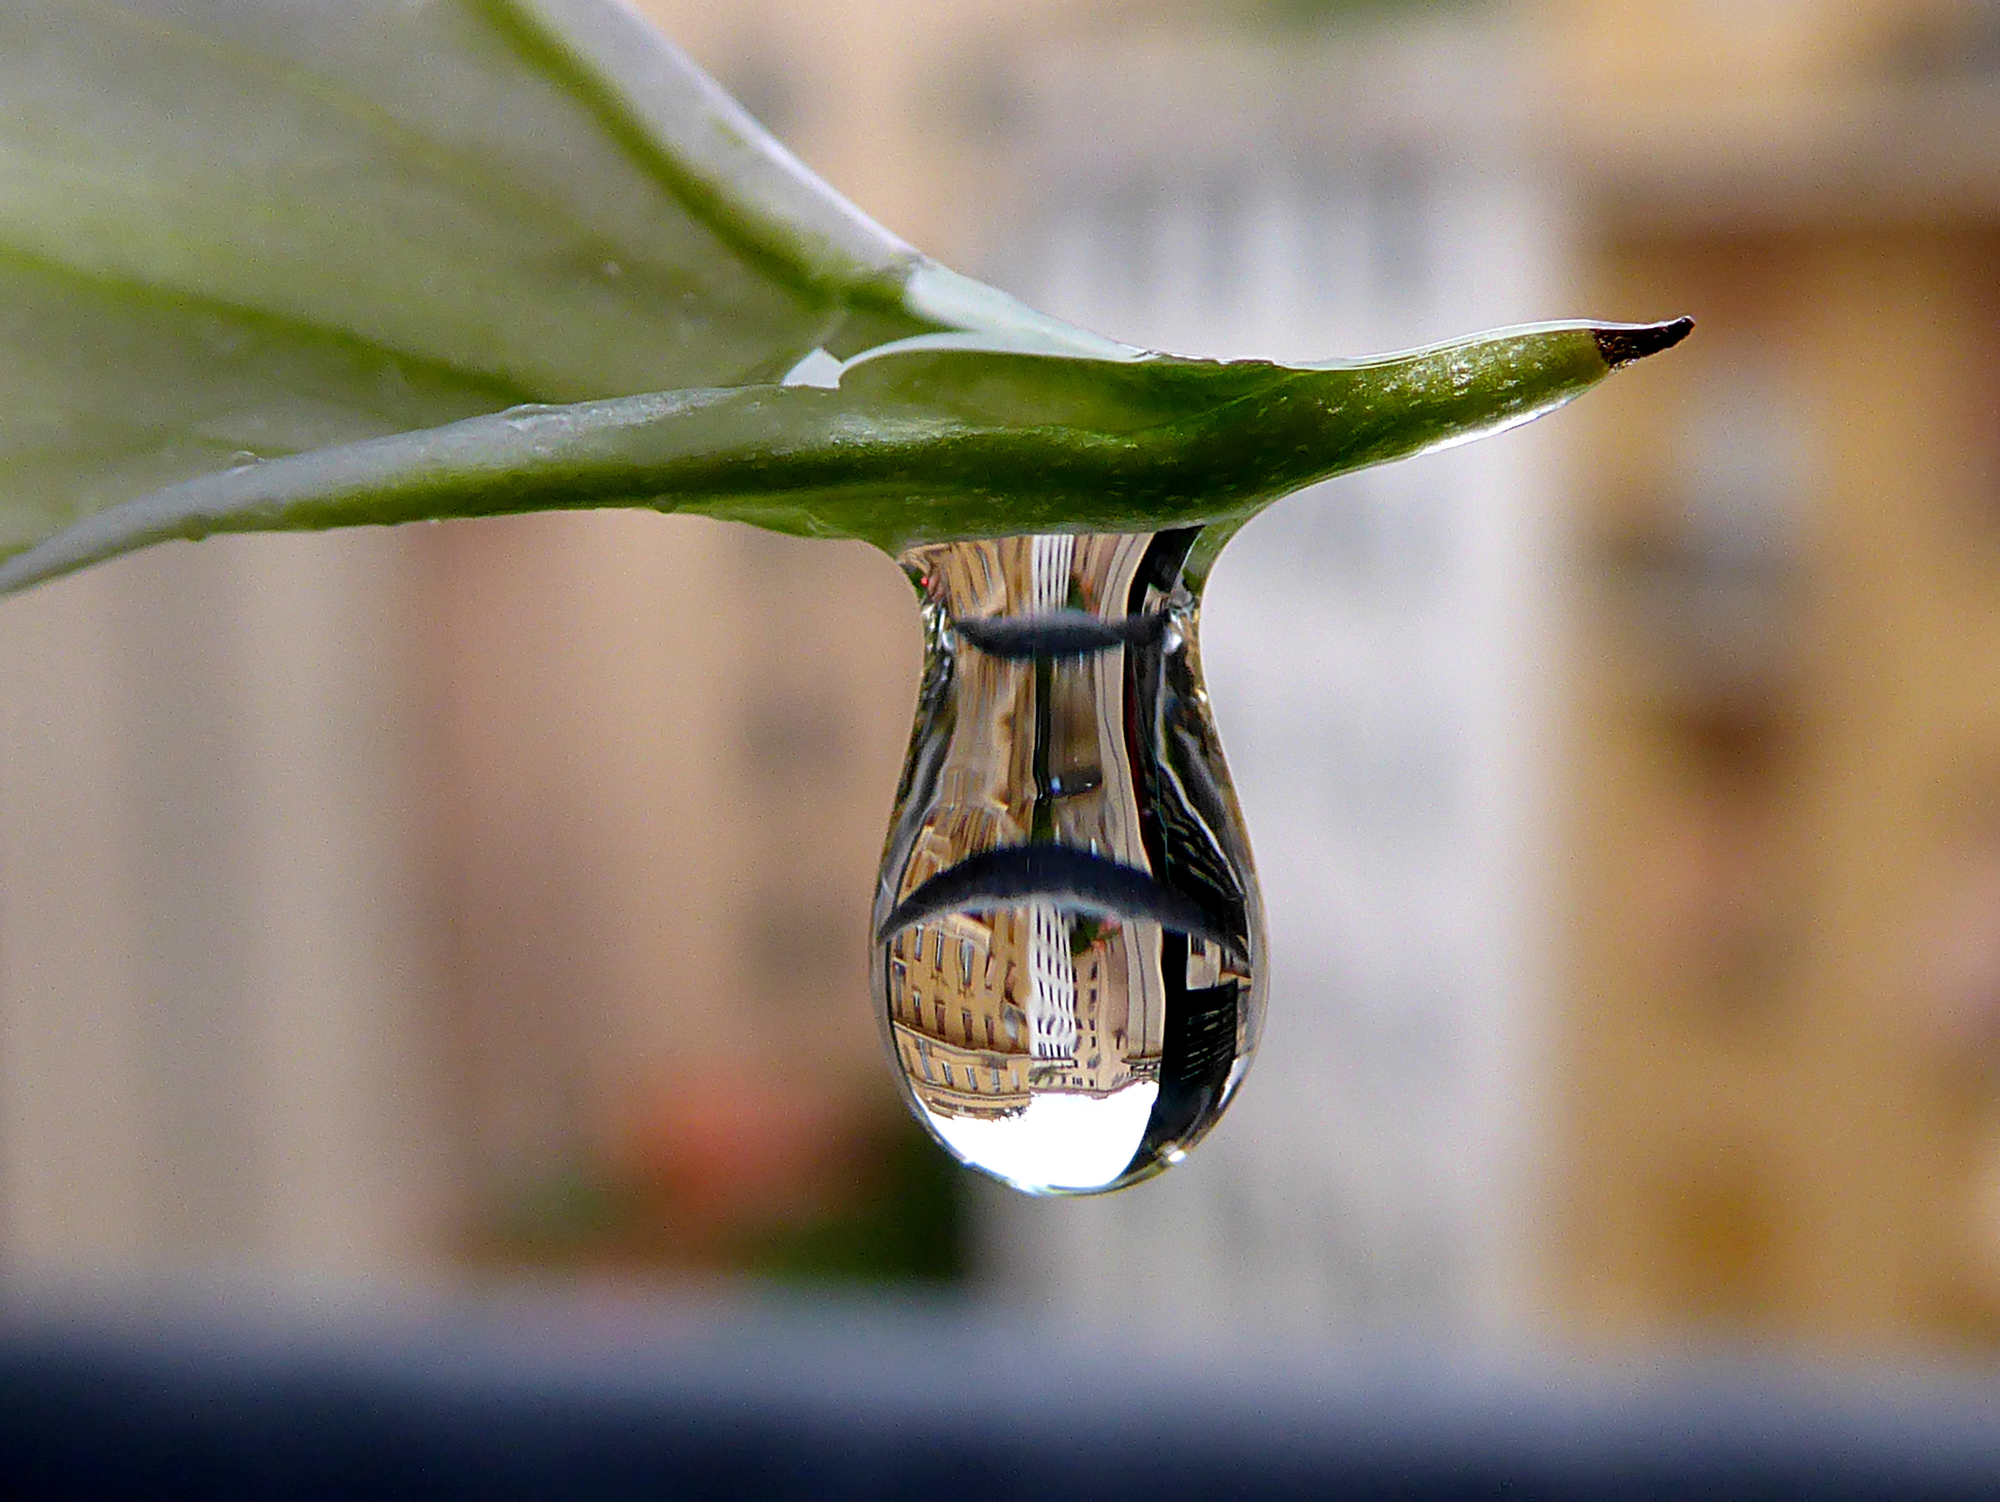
{"points": [[1621, 344]]}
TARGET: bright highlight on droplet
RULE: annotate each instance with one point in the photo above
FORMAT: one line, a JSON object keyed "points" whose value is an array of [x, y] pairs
{"points": [[1058, 1143], [1069, 938]]}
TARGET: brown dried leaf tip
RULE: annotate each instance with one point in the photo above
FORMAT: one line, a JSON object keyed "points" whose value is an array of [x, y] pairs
{"points": [[1621, 346]]}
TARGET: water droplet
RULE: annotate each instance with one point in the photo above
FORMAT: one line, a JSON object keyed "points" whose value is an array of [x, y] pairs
{"points": [[243, 459], [1069, 940], [525, 416]]}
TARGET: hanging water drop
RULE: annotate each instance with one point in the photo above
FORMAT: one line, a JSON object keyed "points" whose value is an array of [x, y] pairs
{"points": [[1069, 941]]}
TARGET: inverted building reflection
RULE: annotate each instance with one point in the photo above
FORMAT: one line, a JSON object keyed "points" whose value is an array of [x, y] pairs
{"points": [[1068, 925]]}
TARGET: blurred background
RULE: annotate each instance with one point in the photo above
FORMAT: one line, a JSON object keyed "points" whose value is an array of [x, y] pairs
{"points": [[488, 901]]}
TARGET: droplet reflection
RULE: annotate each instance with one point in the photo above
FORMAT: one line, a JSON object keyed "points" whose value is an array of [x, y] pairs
{"points": [[1069, 940]]}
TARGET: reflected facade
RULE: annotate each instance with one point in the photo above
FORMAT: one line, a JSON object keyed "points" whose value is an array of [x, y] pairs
{"points": [[1069, 939]]}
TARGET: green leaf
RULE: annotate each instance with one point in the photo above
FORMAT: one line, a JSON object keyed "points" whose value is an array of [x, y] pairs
{"points": [[343, 241], [913, 445]]}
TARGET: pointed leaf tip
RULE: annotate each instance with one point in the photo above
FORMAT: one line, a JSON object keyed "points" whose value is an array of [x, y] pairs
{"points": [[1623, 343]]}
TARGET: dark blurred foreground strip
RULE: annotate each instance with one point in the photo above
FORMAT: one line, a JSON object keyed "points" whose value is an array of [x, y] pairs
{"points": [[605, 1399]]}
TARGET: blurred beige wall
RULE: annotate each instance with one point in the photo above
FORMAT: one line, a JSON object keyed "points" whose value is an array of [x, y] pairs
{"points": [[214, 1045], [667, 749], [1778, 1113], [901, 105]]}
